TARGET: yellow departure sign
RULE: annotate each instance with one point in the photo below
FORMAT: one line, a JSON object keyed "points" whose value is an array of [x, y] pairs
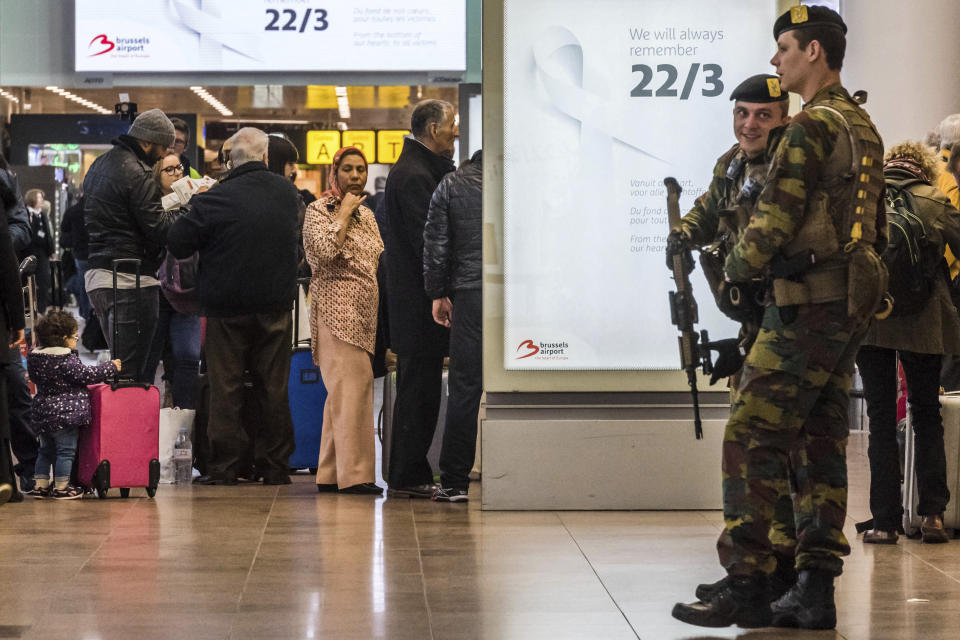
{"points": [[389, 145], [366, 141], [321, 145]]}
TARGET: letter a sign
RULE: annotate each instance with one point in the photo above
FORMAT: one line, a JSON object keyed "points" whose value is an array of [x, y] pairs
{"points": [[321, 145]]}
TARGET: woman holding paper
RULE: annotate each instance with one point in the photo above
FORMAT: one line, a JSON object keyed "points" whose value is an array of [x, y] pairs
{"points": [[343, 247], [177, 338]]}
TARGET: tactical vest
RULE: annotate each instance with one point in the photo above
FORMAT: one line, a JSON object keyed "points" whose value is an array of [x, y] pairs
{"points": [[743, 183], [841, 213]]}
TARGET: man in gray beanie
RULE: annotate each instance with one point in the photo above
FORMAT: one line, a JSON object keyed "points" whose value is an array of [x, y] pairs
{"points": [[125, 220]]}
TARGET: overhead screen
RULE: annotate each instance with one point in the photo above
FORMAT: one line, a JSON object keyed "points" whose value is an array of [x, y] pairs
{"points": [[266, 35], [599, 106]]}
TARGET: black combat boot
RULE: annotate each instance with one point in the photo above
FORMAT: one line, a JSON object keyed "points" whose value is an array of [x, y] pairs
{"points": [[809, 604], [743, 601], [780, 581]]}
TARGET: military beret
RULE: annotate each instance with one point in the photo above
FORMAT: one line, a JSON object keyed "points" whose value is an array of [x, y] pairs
{"points": [[762, 87], [802, 17]]}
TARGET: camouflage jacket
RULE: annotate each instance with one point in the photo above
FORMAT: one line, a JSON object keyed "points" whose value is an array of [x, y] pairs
{"points": [[802, 165], [704, 224]]}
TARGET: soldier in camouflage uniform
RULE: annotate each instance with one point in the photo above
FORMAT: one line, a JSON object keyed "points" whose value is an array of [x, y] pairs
{"points": [[821, 208], [715, 222]]}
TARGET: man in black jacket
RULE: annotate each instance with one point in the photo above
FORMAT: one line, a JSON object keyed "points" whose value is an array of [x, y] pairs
{"points": [[22, 439], [11, 331], [419, 342], [125, 220], [452, 269], [246, 232]]}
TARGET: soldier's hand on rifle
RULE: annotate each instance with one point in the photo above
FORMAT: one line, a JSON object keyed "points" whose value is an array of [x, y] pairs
{"points": [[729, 358], [678, 244]]}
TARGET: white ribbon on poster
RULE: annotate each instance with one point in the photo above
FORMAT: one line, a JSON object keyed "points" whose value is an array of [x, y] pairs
{"points": [[206, 23]]}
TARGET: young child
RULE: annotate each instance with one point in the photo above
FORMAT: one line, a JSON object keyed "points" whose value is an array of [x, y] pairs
{"points": [[62, 404]]}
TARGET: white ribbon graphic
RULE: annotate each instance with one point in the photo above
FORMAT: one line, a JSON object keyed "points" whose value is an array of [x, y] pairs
{"points": [[208, 25], [600, 123]]}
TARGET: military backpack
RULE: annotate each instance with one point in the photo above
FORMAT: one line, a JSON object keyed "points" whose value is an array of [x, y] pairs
{"points": [[911, 256]]}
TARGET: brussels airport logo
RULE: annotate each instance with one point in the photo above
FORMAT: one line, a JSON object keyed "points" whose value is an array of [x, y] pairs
{"points": [[101, 44], [542, 350]]}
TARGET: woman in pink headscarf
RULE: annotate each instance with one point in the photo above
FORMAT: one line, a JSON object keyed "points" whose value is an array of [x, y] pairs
{"points": [[343, 247]]}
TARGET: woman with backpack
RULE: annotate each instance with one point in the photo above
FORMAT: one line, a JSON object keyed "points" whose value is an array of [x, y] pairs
{"points": [[923, 327]]}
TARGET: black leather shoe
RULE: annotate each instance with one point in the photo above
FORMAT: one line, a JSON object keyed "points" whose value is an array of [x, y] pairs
{"points": [[327, 488], [743, 601], [809, 604], [6, 492], [208, 479], [277, 480], [420, 491], [365, 488], [879, 536]]}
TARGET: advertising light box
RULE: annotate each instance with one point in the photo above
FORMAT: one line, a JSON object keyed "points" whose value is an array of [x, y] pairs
{"points": [[600, 105], [267, 35]]}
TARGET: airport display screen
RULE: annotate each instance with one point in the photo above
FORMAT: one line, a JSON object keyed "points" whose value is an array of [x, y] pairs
{"points": [[600, 105], [267, 35]]}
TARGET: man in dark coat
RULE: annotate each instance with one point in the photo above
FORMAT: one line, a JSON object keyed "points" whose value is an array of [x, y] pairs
{"points": [[419, 342], [246, 232], [452, 276], [11, 330], [125, 219], [17, 394]]}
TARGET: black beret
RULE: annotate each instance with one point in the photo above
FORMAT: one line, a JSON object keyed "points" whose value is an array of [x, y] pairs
{"points": [[802, 16], [762, 87]]}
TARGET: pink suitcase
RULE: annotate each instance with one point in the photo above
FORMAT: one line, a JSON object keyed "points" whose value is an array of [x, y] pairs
{"points": [[121, 448]]}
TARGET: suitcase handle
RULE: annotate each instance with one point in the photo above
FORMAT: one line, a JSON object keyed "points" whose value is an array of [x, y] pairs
{"points": [[116, 325], [296, 315]]}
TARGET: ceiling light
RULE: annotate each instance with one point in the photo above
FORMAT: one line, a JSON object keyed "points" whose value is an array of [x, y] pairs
{"points": [[81, 101], [213, 102]]}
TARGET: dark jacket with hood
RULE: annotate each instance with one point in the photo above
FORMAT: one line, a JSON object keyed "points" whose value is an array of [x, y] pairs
{"points": [[246, 231], [452, 239], [406, 199], [18, 219], [122, 208], [935, 328], [62, 398], [11, 294]]}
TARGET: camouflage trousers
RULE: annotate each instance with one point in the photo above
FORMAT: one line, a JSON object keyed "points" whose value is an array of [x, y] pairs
{"points": [[783, 533], [787, 435]]}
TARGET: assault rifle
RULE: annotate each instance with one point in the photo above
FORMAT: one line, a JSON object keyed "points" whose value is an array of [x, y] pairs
{"points": [[683, 310]]}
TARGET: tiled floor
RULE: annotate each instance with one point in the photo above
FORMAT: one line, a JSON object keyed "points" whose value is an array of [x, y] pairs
{"points": [[285, 562]]}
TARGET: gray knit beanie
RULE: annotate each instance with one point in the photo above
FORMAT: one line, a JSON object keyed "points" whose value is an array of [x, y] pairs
{"points": [[153, 126]]}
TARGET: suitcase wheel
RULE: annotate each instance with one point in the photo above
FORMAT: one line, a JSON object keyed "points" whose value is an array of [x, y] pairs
{"points": [[101, 479], [154, 478], [125, 492]]}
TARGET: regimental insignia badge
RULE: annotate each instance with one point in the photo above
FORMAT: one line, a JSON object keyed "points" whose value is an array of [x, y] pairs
{"points": [[773, 86], [799, 14]]}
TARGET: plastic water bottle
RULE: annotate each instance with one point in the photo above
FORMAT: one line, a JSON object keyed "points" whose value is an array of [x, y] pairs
{"points": [[183, 458]]}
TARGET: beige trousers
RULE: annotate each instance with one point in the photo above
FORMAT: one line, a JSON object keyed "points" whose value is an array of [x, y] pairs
{"points": [[347, 448]]}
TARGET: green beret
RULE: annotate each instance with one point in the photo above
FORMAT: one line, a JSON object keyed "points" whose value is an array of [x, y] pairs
{"points": [[762, 87], [802, 16]]}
